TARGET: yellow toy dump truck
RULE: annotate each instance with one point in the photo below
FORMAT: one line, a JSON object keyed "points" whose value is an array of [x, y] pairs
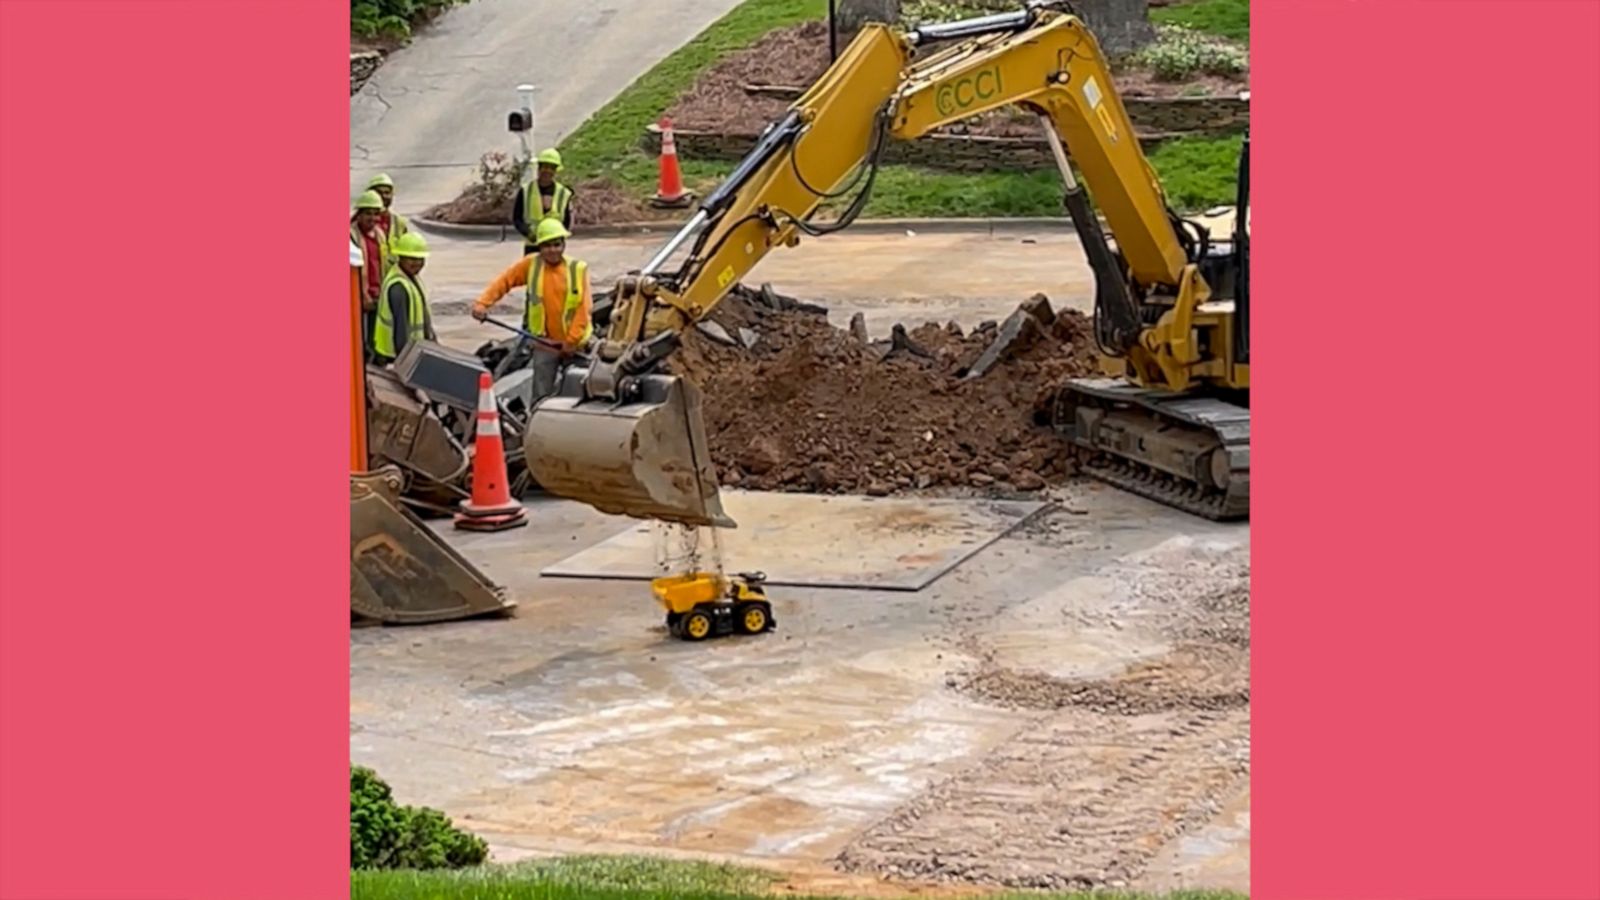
{"points": [[702, 604]]}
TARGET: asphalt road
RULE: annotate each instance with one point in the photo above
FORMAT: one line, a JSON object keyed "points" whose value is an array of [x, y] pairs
{"points": [[436, 106]]}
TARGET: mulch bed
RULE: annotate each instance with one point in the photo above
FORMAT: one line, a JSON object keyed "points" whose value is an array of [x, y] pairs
{"points": [[597, 201], [798, 55]]}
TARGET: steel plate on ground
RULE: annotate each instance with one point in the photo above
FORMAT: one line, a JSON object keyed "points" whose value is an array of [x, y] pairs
{"points": [[810, 540]]}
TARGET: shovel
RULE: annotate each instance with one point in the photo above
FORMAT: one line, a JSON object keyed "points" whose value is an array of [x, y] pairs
{"points": [[543, 342], [545, 363]]}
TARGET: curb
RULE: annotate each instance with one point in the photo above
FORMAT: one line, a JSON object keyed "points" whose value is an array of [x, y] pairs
{"points": [[501, 233]]}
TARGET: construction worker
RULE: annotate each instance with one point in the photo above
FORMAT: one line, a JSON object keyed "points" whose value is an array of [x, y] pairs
{"points": [[392, 223], [403, 313], [374, 243], [545, 198], [557, 302]]}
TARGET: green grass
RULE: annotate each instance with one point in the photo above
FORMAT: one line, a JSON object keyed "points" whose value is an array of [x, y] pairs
{"points": [[1223, 18], [627, 878], [608, 140], [1197, 173], [570, 876]]}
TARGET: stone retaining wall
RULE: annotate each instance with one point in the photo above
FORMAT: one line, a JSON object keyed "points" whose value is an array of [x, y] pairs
{"points": [[362, 65]]}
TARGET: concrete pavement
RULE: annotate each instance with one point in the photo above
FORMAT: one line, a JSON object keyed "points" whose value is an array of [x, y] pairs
{"points": [[436, 106]]}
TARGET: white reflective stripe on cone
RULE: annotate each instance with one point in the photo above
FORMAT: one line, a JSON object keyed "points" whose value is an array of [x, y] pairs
{"points": [[488, 425]]}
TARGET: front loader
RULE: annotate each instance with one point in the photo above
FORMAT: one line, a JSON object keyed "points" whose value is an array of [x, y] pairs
{"points": [[401, 573]]}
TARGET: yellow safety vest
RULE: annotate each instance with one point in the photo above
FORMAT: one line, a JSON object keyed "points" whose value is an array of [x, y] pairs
{"points": [[533, 311], [400, 227], [533, 204], [416, 314]]}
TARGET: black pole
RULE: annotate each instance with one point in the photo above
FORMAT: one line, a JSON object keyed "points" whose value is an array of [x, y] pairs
{"points": [[833, 34]]}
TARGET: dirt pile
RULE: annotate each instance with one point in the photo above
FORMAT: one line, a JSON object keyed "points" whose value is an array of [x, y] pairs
{"points": [[810, 407], [1194, 677]]}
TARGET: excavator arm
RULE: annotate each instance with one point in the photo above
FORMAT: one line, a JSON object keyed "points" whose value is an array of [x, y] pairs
{"points": [[626, 439]]}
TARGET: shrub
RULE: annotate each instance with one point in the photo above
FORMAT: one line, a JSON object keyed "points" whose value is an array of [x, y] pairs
{"points": [[916, 12], [392, 18], [1180, 53], [385, 835]]}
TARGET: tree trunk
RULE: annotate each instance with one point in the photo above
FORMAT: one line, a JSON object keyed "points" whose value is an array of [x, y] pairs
{"points": [[1121, 26], [852, 14]]}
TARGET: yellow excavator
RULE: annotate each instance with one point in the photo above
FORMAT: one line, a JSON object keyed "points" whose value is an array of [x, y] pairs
{"points": [[1171, 420]]}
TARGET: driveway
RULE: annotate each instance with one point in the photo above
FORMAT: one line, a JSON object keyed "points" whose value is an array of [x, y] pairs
{"points": [[436, 106]]}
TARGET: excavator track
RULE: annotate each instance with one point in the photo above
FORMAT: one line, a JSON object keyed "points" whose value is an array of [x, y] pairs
{"points": [[1188, 451]]}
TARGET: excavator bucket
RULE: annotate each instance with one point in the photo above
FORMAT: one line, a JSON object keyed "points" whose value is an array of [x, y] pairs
{"points": [[401, 573], [645, 456]]}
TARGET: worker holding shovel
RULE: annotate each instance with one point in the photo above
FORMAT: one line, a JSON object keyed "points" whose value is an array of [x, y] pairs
{"points": [[557, 304]]}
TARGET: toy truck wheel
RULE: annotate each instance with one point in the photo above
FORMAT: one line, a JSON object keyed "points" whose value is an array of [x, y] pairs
{"points": [[695, 626], [754, 618]]}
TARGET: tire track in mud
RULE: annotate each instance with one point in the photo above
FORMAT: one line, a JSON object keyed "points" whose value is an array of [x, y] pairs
{"points": [[1085, 795], [1076, 801]]}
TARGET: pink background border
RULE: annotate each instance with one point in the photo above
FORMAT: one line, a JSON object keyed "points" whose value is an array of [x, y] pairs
{"points": [[174, 700]]}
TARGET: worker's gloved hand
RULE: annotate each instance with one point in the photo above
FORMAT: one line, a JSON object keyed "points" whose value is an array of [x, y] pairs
{"points": [[480, 314]]}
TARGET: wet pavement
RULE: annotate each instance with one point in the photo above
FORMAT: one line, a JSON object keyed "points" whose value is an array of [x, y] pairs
{"points": [[579, 724]]}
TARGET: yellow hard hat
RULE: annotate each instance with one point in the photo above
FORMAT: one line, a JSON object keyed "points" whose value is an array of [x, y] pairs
{"points": [[380, 180], [550, 230], [411, 244], [549, 157], [369, 200]]}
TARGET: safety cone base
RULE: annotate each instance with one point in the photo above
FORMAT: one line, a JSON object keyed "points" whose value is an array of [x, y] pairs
{"points": [[681, 201], [492, 523], [481, 511]]}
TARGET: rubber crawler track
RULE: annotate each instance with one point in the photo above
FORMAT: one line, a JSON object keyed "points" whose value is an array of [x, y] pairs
{"points": [[1228, 423], [1163, 488]]}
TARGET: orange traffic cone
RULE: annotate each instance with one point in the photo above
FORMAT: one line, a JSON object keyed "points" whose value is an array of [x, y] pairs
{"points": [[491, 507], [669, 189]]}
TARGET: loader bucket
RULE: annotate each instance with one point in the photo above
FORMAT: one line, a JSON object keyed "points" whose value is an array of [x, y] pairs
{"points": [[402, 573], [645, 457]]}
